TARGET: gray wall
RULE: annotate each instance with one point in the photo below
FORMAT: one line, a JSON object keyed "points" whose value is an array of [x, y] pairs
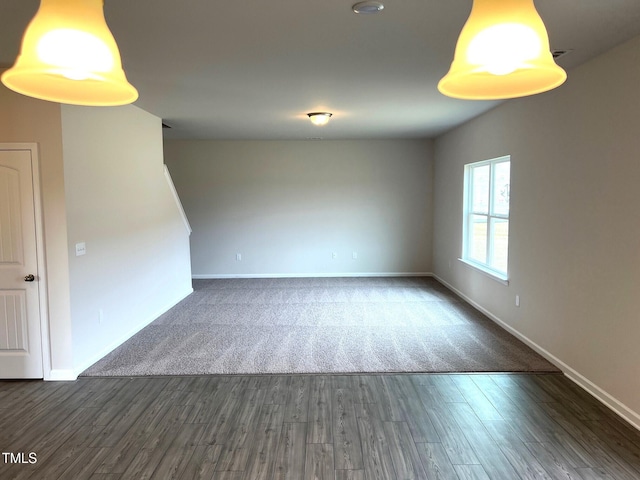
{"points": [[287, 206], [574, 230], [121, 206]]}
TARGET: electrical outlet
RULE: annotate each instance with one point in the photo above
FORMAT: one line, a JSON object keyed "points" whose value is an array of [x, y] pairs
{"points": [[334, 255], [355, 255], [239, 257]]}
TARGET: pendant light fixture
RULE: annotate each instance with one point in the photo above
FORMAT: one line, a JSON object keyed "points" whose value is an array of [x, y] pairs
{"points": [[319, 118], [502, 52], [69, 55]]}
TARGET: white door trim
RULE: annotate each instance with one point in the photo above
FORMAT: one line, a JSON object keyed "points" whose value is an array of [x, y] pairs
{"points": [[40, 254]]}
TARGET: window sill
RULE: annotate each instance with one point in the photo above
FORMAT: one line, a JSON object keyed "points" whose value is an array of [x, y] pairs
{"points": [[489, 273]]}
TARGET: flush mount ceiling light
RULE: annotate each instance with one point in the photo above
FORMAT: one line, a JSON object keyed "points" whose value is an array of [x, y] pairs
{"points": [[69, 55], [502, 52], [319, 118], [367, 7]]}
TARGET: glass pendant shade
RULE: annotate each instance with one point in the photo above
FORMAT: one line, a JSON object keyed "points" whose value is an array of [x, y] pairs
{"points": [[502, 52], [69, 55]]}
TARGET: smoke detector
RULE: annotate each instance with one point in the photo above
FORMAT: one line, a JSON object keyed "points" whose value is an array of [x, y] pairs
{"points": [[367, 7]]}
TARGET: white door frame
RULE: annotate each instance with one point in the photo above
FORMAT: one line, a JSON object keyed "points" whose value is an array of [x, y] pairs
{"points": [[43, 298]]}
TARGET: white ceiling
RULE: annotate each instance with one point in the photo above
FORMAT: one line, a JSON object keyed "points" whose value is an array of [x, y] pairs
{"points": [[251, 69]]}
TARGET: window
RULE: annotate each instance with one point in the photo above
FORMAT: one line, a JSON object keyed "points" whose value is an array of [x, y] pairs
{"points": [[486, 215]]}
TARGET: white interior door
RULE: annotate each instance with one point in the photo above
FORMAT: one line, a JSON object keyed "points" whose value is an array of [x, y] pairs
{"points": [[20, 336]]}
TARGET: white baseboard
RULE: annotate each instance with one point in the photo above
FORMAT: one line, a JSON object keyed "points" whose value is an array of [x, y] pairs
{"points": [[61, 375], [605, 398], [87, 363], [209, 276]]}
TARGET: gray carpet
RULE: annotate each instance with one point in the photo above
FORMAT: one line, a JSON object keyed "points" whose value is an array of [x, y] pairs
{"points": [[320, 325]]}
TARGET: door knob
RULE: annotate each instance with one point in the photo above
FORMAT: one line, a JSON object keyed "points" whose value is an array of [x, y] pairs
{"points": [[29, 278]]}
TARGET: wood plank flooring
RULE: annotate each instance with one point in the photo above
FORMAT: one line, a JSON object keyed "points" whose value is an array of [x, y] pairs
{"points": [[308, 427]]}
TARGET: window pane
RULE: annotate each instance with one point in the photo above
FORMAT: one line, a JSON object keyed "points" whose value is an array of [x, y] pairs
{"points": [[500, 229], [480, 189], [501, 179], [478, 238], [486, 222]]}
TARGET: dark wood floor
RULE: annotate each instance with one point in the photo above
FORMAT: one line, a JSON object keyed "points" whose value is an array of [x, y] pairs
{"points": [[313, 427]]}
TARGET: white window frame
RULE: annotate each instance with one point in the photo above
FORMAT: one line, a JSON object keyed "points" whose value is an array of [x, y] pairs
{"points": [[485, 267]]}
